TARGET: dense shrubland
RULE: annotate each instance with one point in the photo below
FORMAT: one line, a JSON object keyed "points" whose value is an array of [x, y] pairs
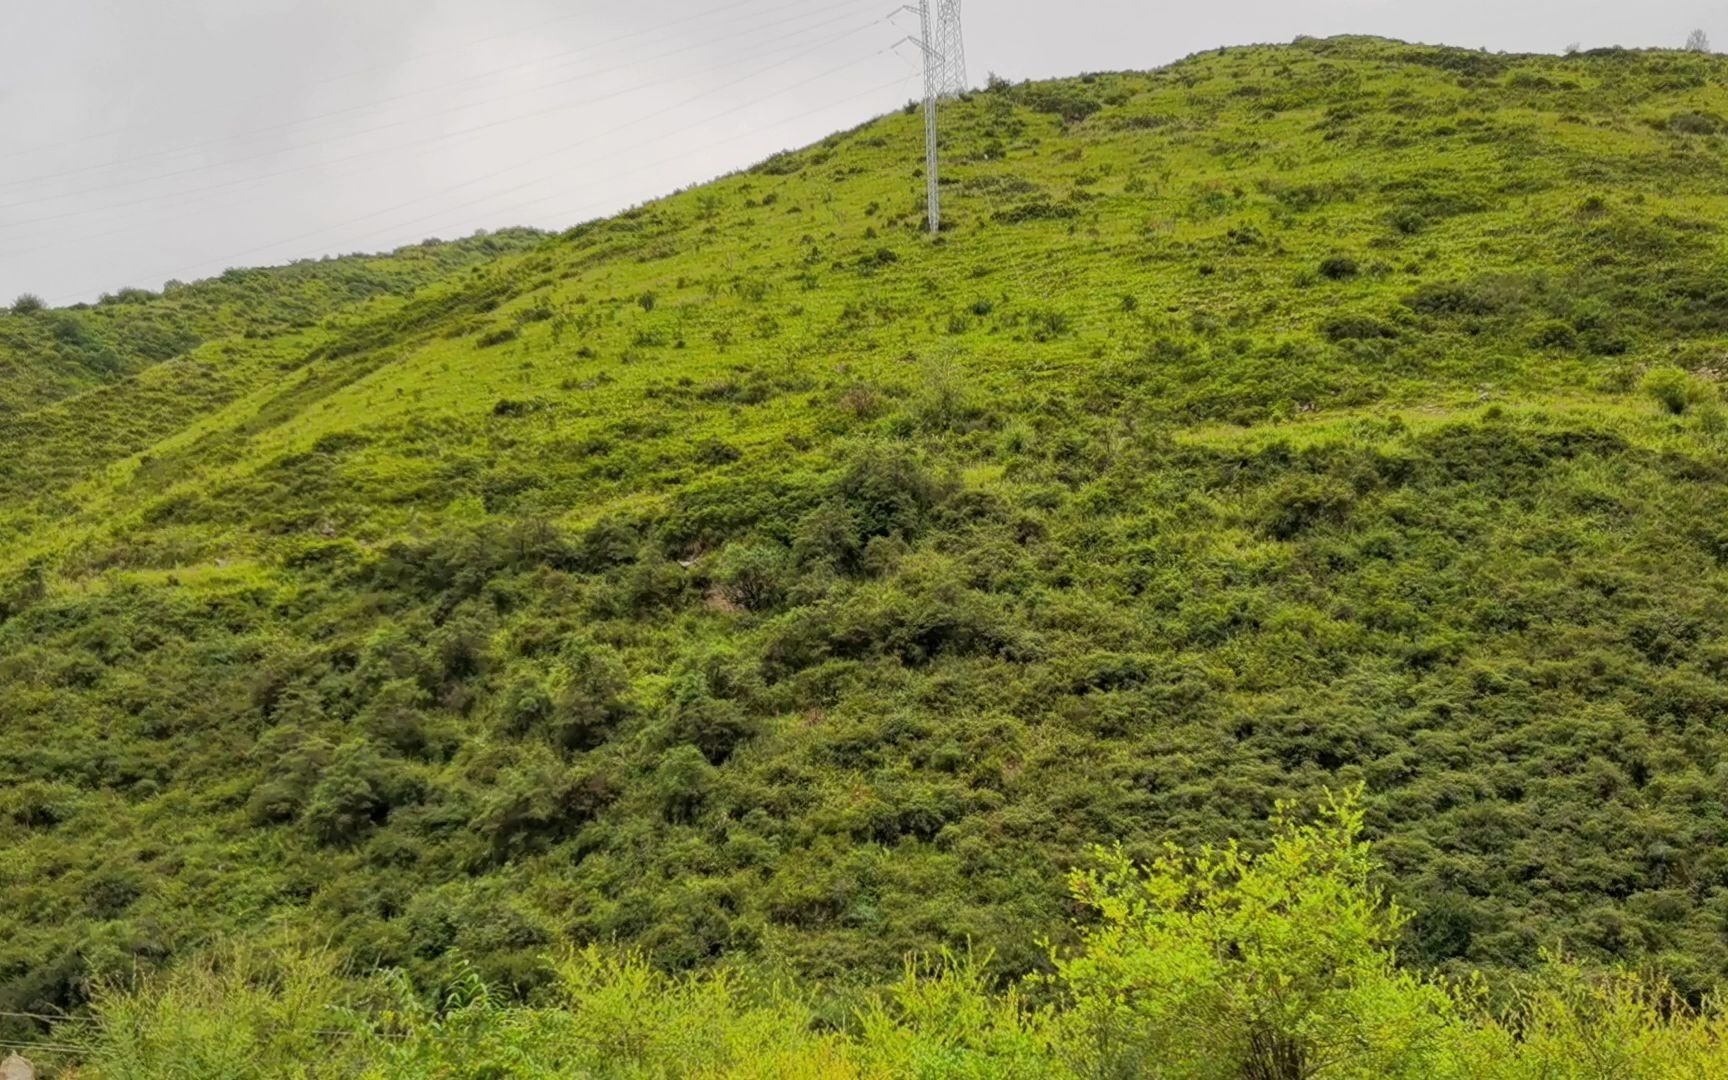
{"points": [[1210, 963], [748, 579]]}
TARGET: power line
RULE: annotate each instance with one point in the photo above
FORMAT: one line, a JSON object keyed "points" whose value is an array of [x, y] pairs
{"points": [[872, 91], [429, 140], [594, 205], [583, 142], [407, 59], [369, 106], [202, 208], [542, 179]]}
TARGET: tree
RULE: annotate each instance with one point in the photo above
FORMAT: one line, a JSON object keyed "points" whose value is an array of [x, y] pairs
{"points": [[28, 304], [1698, 41]]}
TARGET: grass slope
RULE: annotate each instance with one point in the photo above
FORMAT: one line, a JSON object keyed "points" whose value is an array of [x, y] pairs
{"points": [[47, 355], [749, 575]]}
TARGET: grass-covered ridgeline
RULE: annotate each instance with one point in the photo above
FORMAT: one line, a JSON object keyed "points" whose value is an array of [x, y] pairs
{"points": [[47, 354], [748, 576]]}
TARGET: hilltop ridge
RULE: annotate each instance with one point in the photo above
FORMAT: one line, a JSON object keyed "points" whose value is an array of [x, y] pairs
{"points": [[749, 575]]}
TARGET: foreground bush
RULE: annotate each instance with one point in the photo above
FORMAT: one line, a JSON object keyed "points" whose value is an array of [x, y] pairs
{"points": [[1210, 964]]}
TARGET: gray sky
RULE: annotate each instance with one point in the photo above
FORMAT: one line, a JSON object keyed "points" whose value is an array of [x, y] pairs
{"points": [[142, 140]]}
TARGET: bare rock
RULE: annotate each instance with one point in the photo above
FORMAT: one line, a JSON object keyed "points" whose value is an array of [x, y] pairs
{"points": [[16, 1067]]}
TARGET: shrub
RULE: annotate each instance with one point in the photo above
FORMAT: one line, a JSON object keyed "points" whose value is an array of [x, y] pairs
{"points": [[1065, 100], [28, 304], [590, 698], [1677, 391], [700, 712], [1216, 962], [1407, 220], [889, 491], [509, 408], [1357, 328], [354, 793], [1554, 334], [539, 803], [878, 259], [1048, 324], [1036, 210], [1339, 267], [1695, 123], [1302, 502], [754, 576], [1199, 965], [682, 782]]}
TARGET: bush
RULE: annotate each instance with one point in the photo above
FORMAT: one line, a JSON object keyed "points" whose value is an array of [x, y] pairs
{"points": [[1064, 100], [539, 803], [1407, 220], [1338, 328], [1036, 210], [1339, 267], [1696, 123], [1200, 965], [754, 576], [695, 715], [876, 260], [1220, 963], [28, 304], [1677, 391], [1301, 502], [354, 793], [1554, 334], [682, 782], [889, 491], [591, 698]]}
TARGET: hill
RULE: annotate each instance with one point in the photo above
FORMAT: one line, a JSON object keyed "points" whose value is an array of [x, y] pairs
{"points": [[749, 576], [47, 355]]}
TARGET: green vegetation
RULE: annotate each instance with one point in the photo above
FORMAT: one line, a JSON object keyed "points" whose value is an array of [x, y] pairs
{"points": [[750, 579], [47, 354], [1214, 964]]}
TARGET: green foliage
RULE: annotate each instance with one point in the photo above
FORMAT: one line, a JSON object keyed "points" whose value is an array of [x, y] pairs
{"points": [[1219, 963], [1209, 965], [1339, 267], [1677, 391], [829, 606], [754, 576]]}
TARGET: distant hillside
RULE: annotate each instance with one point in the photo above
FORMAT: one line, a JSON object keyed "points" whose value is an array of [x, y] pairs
{"points": [[46, 355], [751, 577]]}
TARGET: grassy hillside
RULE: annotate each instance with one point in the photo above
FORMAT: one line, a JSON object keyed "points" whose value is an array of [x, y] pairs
{"points": [[751, 576], [47, 355]]}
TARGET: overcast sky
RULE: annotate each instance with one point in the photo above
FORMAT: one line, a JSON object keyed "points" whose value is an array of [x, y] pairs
{"points": [[142, 140]]}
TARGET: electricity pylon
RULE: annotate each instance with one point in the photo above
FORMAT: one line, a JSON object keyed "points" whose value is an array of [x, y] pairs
{"points": [[944, 48], [950, 45]]}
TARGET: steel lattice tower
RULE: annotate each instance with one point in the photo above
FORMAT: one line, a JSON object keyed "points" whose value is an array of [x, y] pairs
{"points": [[944, 46], [949, 44]]}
